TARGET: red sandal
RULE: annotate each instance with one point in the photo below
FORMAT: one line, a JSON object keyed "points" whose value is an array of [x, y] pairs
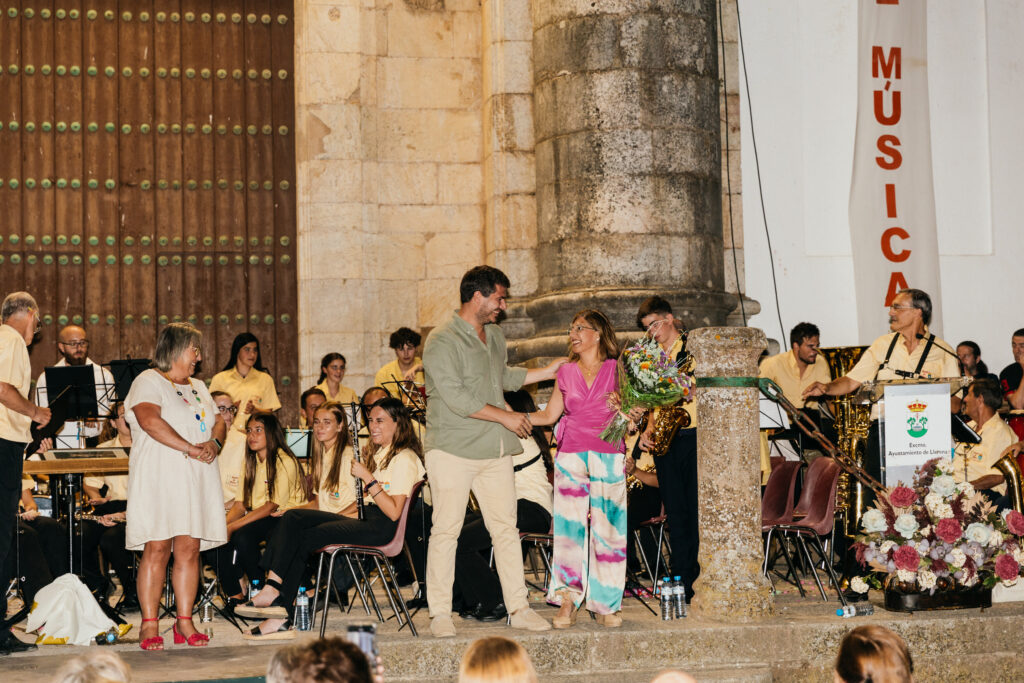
{"points": [[154, 642], [197, 639]]}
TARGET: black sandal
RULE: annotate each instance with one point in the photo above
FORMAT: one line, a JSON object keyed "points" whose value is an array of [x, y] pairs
{"points": [[284, 632]]}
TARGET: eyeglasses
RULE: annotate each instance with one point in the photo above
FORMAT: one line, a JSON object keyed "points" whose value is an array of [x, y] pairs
{"points": [[655, 325], [578, 328], [227, 409], [894, 307], [77, 344]]}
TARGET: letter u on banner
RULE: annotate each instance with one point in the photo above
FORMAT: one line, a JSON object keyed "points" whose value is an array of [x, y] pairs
{"points": [[892, 201]]}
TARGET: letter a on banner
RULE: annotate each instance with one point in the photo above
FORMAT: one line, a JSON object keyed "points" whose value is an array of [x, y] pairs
{"points": [[892, 201]]}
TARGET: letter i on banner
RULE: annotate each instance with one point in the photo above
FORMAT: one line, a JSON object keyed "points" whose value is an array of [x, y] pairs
{"points": [[892, 200]]}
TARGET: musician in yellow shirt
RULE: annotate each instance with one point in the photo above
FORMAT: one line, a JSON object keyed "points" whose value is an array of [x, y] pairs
{"points": [[332, 371], [406, 367]]}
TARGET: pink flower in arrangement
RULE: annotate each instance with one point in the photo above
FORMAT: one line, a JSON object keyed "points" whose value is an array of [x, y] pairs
{"points": [[902, 497], [949, 530], [1007, 568], [1015, 522], [906, 558]]}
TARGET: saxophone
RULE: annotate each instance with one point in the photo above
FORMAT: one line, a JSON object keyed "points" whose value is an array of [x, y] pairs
{"points": [[1010, 469], [852, 424], [671, 418]]}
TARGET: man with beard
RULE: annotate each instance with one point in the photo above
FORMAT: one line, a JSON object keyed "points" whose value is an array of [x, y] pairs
{"points": [[74, 350], [471, 435], [798, 368]]}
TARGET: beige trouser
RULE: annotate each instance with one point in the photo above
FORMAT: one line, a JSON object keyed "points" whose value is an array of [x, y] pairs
{"points": [[492, 482]]}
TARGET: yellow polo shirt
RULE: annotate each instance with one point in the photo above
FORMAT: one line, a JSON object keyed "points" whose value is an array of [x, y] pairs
{"points": [[784, 371], [937, 365], [16, 370], [404, 470], [344, 495], [287, 484], [344, 395], [974, 461], [391, 372], [256, 386]]}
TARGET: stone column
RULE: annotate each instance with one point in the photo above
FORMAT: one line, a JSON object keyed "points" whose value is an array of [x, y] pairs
{"points": [[626, 114], [731, 584]]}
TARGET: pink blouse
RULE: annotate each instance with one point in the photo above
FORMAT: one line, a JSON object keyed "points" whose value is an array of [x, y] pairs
{"points": [[586, 409]]}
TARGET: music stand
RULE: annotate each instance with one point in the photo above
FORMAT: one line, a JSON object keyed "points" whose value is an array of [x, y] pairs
{"points": [[299, 442], [124, 372], [71, 394]]}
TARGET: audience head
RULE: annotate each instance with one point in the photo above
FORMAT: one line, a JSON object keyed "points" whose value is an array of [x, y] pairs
{"points": [[873, 654], [332, 367], [225, 406], [969, 354], [1017, 345], [496, 659], [116, 424], [483, 279], [97, 666], [173, 345], [312, 399], [371, 396], [983, 393], [245, 353], [330, 660], [591, 326]]}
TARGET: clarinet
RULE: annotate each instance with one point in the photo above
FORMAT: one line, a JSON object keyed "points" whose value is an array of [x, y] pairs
{"points": [[354, 429]]}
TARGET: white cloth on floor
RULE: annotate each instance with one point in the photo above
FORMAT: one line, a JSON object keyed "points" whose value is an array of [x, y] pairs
{"points": [[66, 609]]}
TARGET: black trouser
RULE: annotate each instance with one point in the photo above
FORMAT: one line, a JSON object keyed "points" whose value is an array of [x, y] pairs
{"points": [[240, 556], [476, 581], [677, 480], [300, 533], [643, 503], [11, 458], [93, 535]]}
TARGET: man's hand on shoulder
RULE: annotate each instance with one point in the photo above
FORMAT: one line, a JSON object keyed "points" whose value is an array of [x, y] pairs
{"points": [[552, 368]]}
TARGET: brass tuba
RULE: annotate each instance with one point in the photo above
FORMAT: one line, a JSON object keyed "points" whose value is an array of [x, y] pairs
{"points": [[1010, 469], [852, 424]]}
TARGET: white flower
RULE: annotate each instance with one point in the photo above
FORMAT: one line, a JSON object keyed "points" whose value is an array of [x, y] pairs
{"points": [[944, 485], [1018, 555], [859, 585], [966, 488], [906, 525], [925, 530], [942, 511], [996, 539], [926, 579], [978, 532], [971, 580], [873, 521], [906, 576], [886, 547], [956, 557], [933, 499]]}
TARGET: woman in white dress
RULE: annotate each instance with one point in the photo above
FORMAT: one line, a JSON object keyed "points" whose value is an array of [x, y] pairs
{"points": [[174, 500]]}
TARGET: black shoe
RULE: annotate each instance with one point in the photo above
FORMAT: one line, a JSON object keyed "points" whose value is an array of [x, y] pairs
{"points": [[417, 603], [854, 596], [11, 645], [129, 603], [496, 614], [467, 612]]}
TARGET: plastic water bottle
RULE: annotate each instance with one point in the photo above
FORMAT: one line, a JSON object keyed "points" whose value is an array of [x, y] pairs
{"points": [[108, 637], [861, 610], [679, 597], [302, 620], [667, 608], [206, 619], [254, 588]]}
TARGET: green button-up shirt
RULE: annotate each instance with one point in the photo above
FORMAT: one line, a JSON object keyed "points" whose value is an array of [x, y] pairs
{"points": [[463, 375]]}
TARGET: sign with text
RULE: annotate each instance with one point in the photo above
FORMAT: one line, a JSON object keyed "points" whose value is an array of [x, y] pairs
{"points": [[916, 429]]}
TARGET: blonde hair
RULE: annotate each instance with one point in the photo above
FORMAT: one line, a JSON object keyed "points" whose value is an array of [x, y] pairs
{"points": [[874, 654], [496, 659], [103, 666]]}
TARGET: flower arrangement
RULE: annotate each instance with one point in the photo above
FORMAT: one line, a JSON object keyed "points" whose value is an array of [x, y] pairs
{"points": [[938, 535], [648, 378]]}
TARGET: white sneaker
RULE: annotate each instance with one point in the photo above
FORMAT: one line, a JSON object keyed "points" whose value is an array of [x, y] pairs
{"points": [[527, 619], [442, 627]]}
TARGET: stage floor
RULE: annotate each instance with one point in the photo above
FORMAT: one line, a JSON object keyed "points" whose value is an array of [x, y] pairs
{"points": [[797, 644]]}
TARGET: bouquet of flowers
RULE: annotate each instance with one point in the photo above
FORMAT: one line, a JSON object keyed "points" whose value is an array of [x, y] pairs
{"points": [[647, 379], [938, 534]]}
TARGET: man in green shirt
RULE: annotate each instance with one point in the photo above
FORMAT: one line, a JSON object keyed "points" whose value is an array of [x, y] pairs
{"points": [[470, 431]]}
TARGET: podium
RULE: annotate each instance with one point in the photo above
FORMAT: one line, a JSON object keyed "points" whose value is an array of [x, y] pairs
{"points": [[914, 422]]}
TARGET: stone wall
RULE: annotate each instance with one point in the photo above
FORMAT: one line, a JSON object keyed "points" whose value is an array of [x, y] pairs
{"points": [[389, 171], [415, 150]]}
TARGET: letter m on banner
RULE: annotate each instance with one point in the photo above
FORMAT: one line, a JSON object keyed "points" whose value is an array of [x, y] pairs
{"points": [[892, 201]]}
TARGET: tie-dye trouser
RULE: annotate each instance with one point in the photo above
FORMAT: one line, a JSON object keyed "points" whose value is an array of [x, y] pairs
{"points": [[589, 557]]}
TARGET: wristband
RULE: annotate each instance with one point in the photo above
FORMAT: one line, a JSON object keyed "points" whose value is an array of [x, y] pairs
{"points": [[369, 486]]}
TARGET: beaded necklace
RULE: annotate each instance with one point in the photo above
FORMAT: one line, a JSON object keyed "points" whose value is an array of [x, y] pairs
{"points": [[201, 412]]}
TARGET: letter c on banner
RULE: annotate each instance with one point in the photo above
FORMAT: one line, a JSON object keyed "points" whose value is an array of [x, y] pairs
{"points": [[887, 250]]}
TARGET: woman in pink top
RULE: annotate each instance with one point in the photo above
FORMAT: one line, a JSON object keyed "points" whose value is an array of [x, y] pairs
{"points": [[589, 559]]}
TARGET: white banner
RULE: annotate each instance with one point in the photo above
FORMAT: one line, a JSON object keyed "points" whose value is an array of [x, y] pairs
{"points": [[892, 202], [916, 429]]}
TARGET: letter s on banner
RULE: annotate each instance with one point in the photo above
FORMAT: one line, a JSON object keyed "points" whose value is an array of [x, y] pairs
{"points": [[889, 144]]}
